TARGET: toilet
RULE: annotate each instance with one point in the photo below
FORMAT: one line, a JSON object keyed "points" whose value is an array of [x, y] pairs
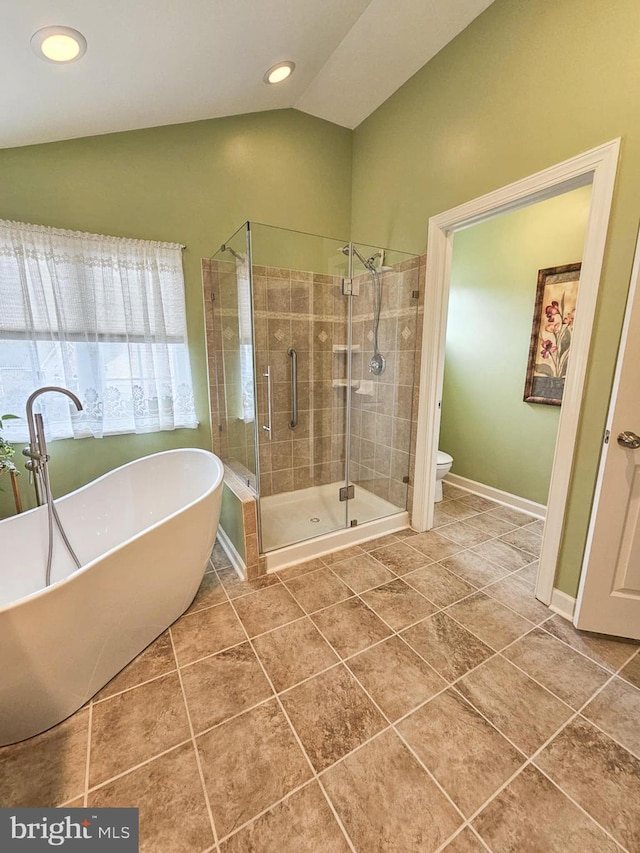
{"points": [[444, 463]]}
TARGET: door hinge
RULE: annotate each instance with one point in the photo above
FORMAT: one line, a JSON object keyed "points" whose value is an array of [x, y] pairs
{"points": [[405, 479], [350, 287], [354, 522], [415, 294], [607, 436], [346, 493]]}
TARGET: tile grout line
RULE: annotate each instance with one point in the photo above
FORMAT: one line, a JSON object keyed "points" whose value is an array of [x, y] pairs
{"points": [[195, 749], [137, 766], [466, 825], [449, 684], [607, 734], [133, 686], [453, 683], [394, 633], [441, 530], [217, 725], [530, 760], [470, 548], [483, 589], [579, 651], [526, 763], [398, 633], [295, 734], [441, 610], [391, 726], [403, 577], [476, 590], [440, 562], [236, 830]]}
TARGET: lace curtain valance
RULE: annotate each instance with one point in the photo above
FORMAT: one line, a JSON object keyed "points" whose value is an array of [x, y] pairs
{"points": [[103, 316]]}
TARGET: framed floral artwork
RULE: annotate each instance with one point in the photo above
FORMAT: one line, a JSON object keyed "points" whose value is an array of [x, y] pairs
{"points": [[550, 347]]}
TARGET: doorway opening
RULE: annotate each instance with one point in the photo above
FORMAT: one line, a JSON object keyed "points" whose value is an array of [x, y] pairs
{"points": [[596, 168]]}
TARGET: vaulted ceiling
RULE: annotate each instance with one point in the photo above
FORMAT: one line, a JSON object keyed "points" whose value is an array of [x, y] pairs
{"points": [[157, 62]]}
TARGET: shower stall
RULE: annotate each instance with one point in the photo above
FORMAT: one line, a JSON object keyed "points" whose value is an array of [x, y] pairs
{"points": [[312, 345]]}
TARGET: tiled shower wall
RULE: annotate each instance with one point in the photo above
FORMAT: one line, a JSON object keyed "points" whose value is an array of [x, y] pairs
{"points": [[383, 412], [308, 311]]}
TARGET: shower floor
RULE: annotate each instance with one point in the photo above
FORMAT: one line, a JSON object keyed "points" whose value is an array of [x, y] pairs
{"points": [[304, 514]]}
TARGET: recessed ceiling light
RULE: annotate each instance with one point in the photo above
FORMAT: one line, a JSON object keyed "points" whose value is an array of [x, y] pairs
{"points": [[279, 72], [58, 44]]}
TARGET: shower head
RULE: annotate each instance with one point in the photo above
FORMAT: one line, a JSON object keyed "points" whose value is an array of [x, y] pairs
{"points": [[236, 255], [369, 263]]}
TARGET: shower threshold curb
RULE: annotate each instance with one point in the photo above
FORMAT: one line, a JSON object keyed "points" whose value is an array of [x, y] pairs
{"points": [[289, 555]]}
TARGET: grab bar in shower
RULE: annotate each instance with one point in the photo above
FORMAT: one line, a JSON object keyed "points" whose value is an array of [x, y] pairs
{"points": [[293, 423], [267, 426]]}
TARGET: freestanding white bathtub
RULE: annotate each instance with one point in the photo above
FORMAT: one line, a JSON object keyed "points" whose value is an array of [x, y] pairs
{"points": [[143, 533]]}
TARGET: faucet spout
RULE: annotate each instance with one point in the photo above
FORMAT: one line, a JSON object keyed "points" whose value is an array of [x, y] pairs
{"points": [[37, 450], [33, 398], [38, 466]]}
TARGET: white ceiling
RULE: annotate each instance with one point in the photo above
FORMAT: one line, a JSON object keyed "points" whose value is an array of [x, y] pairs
{"points": [[156, 62]]}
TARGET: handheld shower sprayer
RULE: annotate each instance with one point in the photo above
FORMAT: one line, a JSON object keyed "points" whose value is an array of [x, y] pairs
{"points": [[377, 362]]}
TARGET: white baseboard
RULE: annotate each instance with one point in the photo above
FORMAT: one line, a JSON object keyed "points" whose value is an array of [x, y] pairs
{"points": [[505, 498], [230, 550], [562, 604]]}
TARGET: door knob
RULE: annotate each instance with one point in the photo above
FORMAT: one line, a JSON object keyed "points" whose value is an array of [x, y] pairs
{"points": [[629, 439]]}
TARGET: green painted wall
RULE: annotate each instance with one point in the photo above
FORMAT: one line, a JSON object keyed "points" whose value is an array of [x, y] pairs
{"points": [[525, 86], [495, 437], [231, 519], [191, 183]]}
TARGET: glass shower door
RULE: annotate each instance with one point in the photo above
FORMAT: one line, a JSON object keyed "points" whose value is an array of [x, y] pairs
{"points": [[232, 336], [385, 338], [301, 336], [315, 350]]}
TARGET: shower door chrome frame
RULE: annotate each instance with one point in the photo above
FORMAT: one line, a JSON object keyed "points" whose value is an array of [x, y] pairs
{"points": [[349, 390], [256, 424]]}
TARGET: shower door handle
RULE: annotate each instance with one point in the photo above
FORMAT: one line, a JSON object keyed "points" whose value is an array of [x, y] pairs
{"points": [[267, 426], [293, 423]]}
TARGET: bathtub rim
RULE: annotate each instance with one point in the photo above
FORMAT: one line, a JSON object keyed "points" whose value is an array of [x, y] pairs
{"points": [[219, 480]]}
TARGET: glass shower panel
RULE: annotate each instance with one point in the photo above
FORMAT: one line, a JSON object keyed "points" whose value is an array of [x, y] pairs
{"points": [[235, 380], [301, 333], [385, 339]]}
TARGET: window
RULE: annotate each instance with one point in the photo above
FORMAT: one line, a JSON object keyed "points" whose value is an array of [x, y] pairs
{"points": [[101, 316]]}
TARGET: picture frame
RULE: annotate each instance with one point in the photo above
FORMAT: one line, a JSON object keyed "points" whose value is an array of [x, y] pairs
{"points": [[551, 333]]}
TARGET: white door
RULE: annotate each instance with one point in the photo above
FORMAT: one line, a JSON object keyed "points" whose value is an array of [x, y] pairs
{"points": [[609, 596]]}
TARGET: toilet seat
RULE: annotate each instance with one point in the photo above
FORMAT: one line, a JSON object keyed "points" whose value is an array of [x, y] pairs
{"points": [[443, 458]]}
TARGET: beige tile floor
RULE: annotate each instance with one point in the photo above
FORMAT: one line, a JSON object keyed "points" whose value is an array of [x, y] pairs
{"points": [[407, 695]]}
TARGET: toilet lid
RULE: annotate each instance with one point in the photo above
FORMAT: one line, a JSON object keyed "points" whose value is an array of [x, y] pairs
{"points": [[444, 458]]}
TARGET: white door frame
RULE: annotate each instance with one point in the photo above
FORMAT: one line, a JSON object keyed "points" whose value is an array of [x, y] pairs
{"points": [[596, 167]]}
